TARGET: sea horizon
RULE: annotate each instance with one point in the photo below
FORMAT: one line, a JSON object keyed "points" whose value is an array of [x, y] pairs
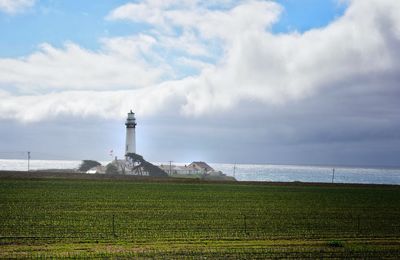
{"points": [[327, 165], [251, 172]]}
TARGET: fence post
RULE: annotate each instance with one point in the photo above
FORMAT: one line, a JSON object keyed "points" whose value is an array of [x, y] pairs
{"points": [[245, 224], [113, 225]]}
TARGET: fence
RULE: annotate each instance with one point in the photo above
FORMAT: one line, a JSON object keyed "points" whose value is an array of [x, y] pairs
{"points": [[125, 226]]}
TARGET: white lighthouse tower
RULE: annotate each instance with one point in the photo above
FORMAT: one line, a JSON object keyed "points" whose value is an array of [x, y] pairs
{"points": [[130, 141]]}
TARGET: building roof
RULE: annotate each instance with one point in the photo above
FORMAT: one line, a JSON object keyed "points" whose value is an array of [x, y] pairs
{"points": [[201, 165]]}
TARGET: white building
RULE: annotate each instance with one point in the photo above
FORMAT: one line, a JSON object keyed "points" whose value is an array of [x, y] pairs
{"points": [[193, 168], [177, 169], [100, 169], [201, 167]]}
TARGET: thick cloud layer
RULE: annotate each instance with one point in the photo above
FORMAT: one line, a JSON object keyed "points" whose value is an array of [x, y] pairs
{"points": [[252, 64], [220, 73]]}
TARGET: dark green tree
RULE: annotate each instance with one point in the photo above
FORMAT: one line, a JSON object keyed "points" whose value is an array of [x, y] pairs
{"points": [[143, 165], [87, 165]]}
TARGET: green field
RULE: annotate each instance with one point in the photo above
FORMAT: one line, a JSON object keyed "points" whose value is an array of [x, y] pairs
{"points": [[125, 218]]}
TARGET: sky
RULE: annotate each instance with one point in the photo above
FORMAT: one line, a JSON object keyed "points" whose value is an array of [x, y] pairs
{"points": [[281, 82]]}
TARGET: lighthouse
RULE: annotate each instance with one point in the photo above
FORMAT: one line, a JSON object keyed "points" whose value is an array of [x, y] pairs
{"points": [[130, 141]]}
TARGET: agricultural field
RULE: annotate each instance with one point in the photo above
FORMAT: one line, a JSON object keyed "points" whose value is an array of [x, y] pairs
{"points": [[56, 217]]}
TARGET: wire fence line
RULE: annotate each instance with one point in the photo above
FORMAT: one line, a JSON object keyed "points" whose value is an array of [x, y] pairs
{"points": [[120, 226]]}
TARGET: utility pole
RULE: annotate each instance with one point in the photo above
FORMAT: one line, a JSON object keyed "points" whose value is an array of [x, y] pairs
{"points": [[29, 158], [333, 174], [234, 170], [170, 167]]}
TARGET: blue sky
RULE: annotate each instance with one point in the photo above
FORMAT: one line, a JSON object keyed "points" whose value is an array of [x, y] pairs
{"points": [[83, 22], [252, 81]]}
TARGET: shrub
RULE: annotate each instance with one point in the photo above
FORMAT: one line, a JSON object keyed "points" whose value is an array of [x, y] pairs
{"points": [[87, 165], [335, 243], [111, 169]]}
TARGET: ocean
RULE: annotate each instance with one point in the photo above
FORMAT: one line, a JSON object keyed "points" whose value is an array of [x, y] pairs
{"points": [[254, 172]]}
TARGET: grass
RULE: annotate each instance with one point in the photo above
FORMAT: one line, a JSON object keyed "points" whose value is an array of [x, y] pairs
{"points": [[335, 243], [124, 218]]}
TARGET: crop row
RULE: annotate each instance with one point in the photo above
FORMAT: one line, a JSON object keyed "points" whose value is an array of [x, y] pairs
{"points": [[130, 210]]}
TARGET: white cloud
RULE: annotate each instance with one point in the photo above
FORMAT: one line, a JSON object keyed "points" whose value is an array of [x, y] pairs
{"points": [[15, 6], [255, 64], [105, 104], [120, 64], [193, 63], [209, 23], [188, 42]]}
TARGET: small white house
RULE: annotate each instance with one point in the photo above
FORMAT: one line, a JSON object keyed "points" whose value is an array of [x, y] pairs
{"points": [[193, 168], [97, 170], [202, 167], [176, 169]]}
